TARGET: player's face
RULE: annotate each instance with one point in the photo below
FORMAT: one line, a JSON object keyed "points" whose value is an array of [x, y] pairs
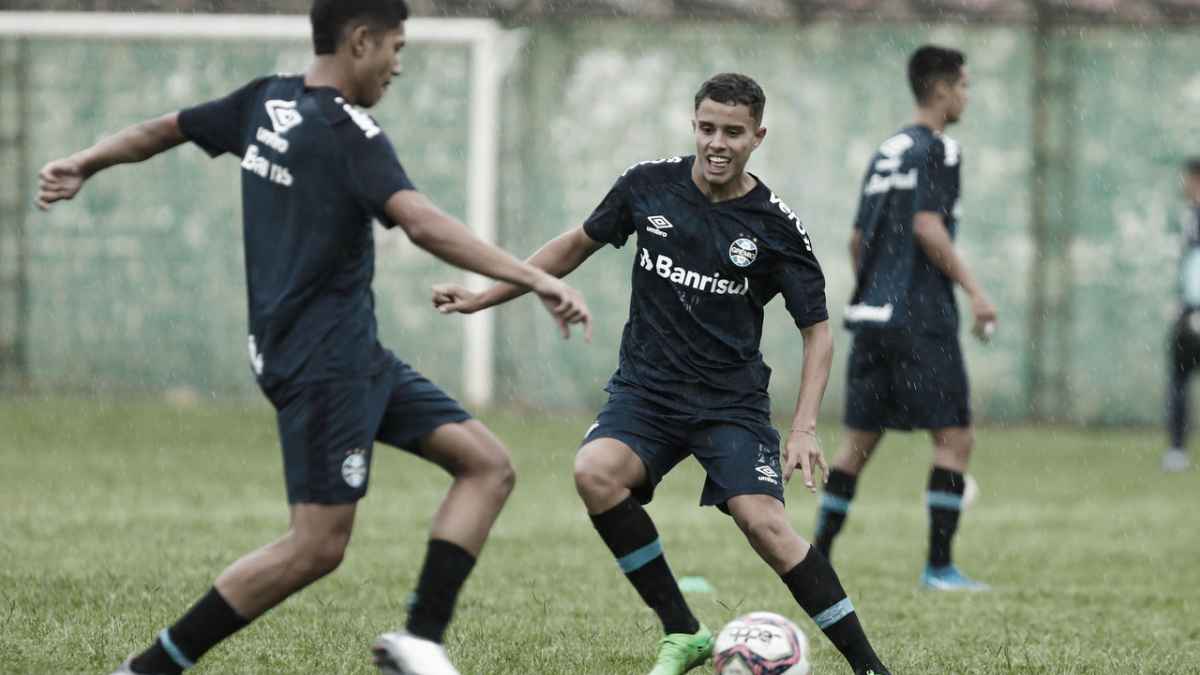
{"points": [[378, 62], [725, 137], [957, 95]]}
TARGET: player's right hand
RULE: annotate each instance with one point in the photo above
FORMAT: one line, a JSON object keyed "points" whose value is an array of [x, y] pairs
{"points": [[57, 181], [565, 304], [985, 316], [452, 298]]}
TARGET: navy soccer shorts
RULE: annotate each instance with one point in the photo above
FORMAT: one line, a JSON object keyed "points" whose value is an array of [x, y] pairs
{"points": [[327, 429], [898, 379], [740, 457]]}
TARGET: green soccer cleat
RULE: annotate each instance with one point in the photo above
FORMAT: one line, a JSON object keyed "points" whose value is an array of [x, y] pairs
{"points": [[680, 652]]}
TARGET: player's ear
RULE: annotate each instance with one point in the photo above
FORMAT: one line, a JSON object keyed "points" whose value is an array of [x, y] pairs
{"points": [[359, 39], [759, 136]]}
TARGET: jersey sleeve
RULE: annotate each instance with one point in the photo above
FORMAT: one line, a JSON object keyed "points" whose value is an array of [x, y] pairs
{"points": [[218, 125], [612, 221], [799, 277], [374, 172], [932, 191]]}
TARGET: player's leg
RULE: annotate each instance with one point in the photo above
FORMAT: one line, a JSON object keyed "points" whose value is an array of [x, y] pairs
{"points": [[1182, 360], [944, 499], [326, 467], [421, 418], [868, 404], [857, 448]]}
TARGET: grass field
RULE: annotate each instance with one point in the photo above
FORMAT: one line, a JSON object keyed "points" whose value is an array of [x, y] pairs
{"points": [[115, 517]]}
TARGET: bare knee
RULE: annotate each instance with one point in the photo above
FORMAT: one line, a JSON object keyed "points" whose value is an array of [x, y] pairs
{"points": [[315, 556], [765, 531], [595, 480], [952, 448]]}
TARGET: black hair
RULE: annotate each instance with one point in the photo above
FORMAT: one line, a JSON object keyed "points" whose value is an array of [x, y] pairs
{"points": [[734, 89], [1192, 166], [931, 64], [330, 18]]}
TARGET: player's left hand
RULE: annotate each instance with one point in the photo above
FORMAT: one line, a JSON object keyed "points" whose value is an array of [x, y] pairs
{"points": [[803, 449], [59, 180], [451, 298]]}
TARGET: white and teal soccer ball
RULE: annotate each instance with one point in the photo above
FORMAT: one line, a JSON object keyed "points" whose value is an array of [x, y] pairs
{"points": [[761, 643]]}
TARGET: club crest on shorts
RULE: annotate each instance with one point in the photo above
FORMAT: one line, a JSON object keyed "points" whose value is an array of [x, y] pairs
{"points": [[354, 468], [742, 252]]}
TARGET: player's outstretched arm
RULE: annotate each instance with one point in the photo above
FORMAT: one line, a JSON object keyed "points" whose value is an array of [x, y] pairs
{"points": [[445, 237], [62, 179], [802, 448], [934, 239], [558, 257]]}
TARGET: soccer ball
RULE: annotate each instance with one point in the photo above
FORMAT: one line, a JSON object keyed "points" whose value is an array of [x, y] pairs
{"points": [[761, 643]]}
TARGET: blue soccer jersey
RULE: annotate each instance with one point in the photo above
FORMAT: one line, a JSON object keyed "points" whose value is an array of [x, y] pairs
{"points": [[897, 285], [702, 274], [316, 172]]}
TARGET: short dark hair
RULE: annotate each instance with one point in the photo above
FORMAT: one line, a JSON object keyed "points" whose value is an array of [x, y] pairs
{"points": [[733, 89], [331, 17], [1192, 165], [931, 64]]}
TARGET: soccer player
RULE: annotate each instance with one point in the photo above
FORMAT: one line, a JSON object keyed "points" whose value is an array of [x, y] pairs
{"points": [[316, 171], [906, 368], [1185, 335], [714, 246]]}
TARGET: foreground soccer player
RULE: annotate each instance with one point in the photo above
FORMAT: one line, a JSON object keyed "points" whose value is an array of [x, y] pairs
{"points": [[906, 368], [714, 245], [315, 172], [1185, 334]]}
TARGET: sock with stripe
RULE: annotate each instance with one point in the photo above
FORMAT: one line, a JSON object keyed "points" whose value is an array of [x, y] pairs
{"points": [[816, 587], [945, 504], [177, 648], [630, 534], [443, 574], [835, 505]]}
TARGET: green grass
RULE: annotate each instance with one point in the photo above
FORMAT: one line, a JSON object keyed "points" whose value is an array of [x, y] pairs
{"points": [[115, 517]]}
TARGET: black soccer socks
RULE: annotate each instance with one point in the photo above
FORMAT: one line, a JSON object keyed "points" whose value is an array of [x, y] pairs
{"points": [[630, 534], [835, 505], [816, 587], [208, 622], [945, 504], [445, 571]]}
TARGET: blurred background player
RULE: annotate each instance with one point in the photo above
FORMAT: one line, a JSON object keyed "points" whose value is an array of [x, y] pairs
{"points": [[714, 246], [1185, 335], [316, 171], [906, 369]]}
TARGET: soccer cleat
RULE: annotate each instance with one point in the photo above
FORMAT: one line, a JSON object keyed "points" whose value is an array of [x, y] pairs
{"points": [[126, 668], [948, 578], [680, 652], [404, 654], [1176, 460]]}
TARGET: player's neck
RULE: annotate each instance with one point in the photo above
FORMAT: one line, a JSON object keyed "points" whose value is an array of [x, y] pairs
{"points": [[932, 118], [327, 71], [738, 187]]}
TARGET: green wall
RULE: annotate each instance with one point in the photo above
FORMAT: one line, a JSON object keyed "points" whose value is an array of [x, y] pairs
{"points": [[139, 284]]}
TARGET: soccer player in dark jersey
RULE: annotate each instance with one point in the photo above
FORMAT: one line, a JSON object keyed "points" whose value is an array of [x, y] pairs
{"points": [[316, 171], [713, 246], [905, 369], [1185, 335]]}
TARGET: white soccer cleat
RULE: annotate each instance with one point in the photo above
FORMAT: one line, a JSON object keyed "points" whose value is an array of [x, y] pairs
{"points": [[404, 654], [1176, 460]]}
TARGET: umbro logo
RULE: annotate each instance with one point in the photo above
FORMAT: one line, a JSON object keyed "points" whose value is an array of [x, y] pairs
{"points": [[659, 225], [767, 471], [283, 115]]}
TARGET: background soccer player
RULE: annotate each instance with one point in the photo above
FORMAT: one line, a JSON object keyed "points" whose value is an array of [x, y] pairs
{"points": [[906, 368], [714, 246], [1185, 335], [315, 172]]}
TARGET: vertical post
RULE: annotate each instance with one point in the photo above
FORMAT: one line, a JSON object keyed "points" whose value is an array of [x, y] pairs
{"points": [[25, 190], [1038, 222], [482, 162]]}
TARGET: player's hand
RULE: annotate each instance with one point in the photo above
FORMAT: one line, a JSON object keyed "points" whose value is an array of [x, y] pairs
{"points": [[565, 304], [452, 298], [57, 181], [985, 317], [803, 449]]}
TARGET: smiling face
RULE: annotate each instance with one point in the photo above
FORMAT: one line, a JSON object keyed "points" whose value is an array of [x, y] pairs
{"points": [[726, 135], [376, 56]]}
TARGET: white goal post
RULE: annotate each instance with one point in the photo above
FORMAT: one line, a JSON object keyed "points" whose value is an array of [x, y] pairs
{"points": [[482, 36]]}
